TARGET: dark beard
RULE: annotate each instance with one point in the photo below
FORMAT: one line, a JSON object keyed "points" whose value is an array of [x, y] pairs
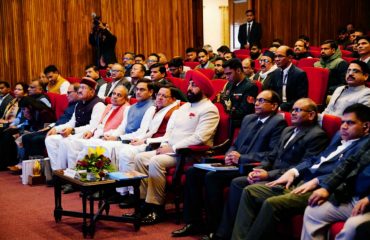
{"points": [[192, 98], [254, 56]]}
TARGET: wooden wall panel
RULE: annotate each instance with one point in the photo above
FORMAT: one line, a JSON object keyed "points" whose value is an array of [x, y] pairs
{"points": [[37, 33]]}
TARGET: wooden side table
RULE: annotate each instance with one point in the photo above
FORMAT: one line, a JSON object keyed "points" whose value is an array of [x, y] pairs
{"points": [[87, 189]]}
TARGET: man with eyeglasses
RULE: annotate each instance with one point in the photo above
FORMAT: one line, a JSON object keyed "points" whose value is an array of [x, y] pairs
{"points": [[289, 81], [331, 58], [137, 74], [153, 58], [35, 91], [252, 140], [298, 143], [267, 66], [354, 92], [127, 62], [239, 93], [117, 75]]}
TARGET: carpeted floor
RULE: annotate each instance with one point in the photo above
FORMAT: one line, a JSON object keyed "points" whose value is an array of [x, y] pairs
{"points": [[26, 212]]}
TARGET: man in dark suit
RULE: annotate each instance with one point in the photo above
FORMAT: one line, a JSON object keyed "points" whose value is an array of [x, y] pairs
{"points": [[117, 74], [347, 190], [5, 96], [289, 81], [253, 139], [262, 206], [298, 142], [250, 32]]}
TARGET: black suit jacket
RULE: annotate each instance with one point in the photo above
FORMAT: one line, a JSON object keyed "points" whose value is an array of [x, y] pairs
{"points": [[264, 140], [342, 181], [5, 103], [254, 36], [296, 87], [326, 168], [309, 141]]}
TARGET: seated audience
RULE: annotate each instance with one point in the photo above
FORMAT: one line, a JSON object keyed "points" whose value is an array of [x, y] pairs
{"points": [[255, 51], [354, 92], [331, 59], [203, 59], [35, 91], [252, 140], [301, 50], [248, 68], [289, 81], [219, 70], [176, 67], [239, 93], [118, 78], [153, 58], [34, 114], [191, 55], [137, 74], [92, 71], [268, 66], [127, 62], [192, 124], [5, 97], [363, 49], [222, 50], [34, 143], [87, 114], [229, 55], [57, 84], [211, 54], [263, 205]]}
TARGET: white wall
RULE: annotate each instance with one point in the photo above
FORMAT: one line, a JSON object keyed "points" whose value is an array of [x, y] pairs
{"points": [[212, 22]]}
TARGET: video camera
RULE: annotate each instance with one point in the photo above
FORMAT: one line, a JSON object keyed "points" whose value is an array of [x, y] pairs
{"points": [[97, 21]]}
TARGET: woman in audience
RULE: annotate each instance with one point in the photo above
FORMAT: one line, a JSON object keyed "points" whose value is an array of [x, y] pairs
{"points": [[12, 109], [34, 116]]}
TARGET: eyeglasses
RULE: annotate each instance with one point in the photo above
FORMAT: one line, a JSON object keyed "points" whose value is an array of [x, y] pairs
{"points": [[263, 100], [264, 61], [150, 61], [349, 70], [127, 58], [69, 92], [298, 110], [115, 71]]}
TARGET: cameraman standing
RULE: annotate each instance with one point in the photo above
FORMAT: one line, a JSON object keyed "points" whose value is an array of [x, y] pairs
{"points": [[103, 43]]}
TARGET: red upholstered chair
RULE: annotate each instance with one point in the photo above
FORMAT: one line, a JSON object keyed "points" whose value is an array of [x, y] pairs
{"points": [[180, 83], [218, 86], [259, 86], [209, 73], [58, 103], [330, 124], [349, 59], [175, 178], [315, 48], [242, 56], [192, 65], [294, 62], [346, 53], [335, 228], [73, 79], [107, 79], [317, 83], [103, 73], [315, 54], [242, 51], [132, 101], [257, 65], [307, 62]]}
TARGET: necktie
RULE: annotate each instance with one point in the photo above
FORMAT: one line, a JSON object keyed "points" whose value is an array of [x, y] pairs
{"points": [[285, 79], [252, 134], [248, 29]]}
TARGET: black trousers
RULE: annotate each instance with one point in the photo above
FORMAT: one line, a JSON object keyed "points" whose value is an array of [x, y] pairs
{"points": [[206, 189], [8, 149], [34, 144]]}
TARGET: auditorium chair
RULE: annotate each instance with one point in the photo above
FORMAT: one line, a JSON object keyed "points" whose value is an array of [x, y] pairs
{"points": [[192, 65], [242, 51], [58, 103], [317, 83], [242, 56], [208, 72], [218, 86], [73, 79], [307, 62], [315, 54], [291, 228], [257, 65], [349, 59], [175, 178], [103, 73], [294, 62], [315, 48], [179, 83], [346, 53], [107, 79]]}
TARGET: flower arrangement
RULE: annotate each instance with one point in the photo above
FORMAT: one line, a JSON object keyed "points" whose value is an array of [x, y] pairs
{"points": [[95, 163]]}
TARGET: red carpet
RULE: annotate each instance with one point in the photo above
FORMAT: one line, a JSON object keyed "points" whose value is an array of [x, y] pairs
{"points": [[27, 213]]}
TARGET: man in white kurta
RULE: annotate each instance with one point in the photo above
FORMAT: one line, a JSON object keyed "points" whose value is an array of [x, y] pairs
{"points": [[86, 116], [193, 123]]}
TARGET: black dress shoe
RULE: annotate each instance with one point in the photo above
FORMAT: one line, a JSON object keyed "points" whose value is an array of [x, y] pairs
{"points": [[188, 229], [127, 201], [151, 218]]}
